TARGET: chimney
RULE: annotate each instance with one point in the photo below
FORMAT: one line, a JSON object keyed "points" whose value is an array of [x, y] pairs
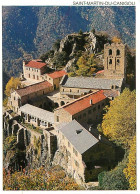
{"points": [[91, 101], [90, 129], [99, 137]]}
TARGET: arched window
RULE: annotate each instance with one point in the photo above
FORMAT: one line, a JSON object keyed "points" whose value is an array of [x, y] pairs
{"points": [[110, 61], [118, 61], [118, 52], [110, 51]]}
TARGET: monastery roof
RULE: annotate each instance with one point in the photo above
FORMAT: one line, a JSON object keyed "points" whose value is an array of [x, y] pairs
{"points": [[38, 112], [111, 93], [90, 82], [78, 136], [57, 74], [84, 102], [101, 71], [35, 64], [33, 88]]}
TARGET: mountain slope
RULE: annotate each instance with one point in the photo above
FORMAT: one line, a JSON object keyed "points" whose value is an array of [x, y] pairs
{"points": [[33, 30]]}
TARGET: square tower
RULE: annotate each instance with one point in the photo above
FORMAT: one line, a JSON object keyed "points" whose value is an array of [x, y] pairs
{"points": [[115, 60]]}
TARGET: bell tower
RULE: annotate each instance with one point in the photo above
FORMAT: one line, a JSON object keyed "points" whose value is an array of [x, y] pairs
{"points": [[115, 60]]}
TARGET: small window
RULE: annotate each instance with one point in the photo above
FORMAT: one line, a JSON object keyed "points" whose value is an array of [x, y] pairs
{"points": [[68, 144], [29, 75], [89, 112], [63, 90], [99, 106], [84, 114], [29, 69], [118, 52], [118, 61], [78, 91], [110, 52], [112, 87], [70, 90], [57, 118], [14, 98], [76, 163], [110, 61]]}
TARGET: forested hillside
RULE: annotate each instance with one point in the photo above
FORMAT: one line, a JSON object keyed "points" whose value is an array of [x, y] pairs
{"points": [[33, 30]]}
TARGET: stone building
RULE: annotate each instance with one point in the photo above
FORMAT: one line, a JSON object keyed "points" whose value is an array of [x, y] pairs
{"points": [[75, 87], [54, 78], [25, 95], [115, 60], [83, 151], [37, 116], [33, 70], [86, 109]]}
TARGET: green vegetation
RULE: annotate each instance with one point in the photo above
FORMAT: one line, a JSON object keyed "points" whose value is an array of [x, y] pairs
{"points": [[60, 59], [130, 170], [39, 179], [114, 179], [32, 127], [86, 65], [12, 84], [37, 146], [119, 123]]}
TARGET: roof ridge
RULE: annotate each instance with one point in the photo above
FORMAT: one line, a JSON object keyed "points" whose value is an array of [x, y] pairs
{"points": [[32, 85], [76, 100]]}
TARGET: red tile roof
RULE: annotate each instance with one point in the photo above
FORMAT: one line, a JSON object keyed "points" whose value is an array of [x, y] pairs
{"points": [[35, 64], [98, 72], [57, 74], [33, 88], [84, 102]]}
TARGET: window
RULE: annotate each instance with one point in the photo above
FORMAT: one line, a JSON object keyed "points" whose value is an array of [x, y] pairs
{"points": [[110, 52], [110, 61], [14, 98], [68, 144], [78, 91], [84, 114], [33, 76], [63, 90], [89, 112], [99, 106], [57, 118], [103, 104], [37, 77], [112, 87], [29, 75], [75, 152], [118, 52], [118, 61], [76, 163], [70, 90], [94, 109], [29, 69]]}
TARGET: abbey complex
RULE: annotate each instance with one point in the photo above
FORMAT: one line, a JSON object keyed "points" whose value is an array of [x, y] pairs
{"points": [[63, 112]]}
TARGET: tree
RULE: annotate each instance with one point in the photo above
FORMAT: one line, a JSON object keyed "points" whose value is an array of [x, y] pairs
{"points": [[80, 32], [56, 45], [13, 83], [116, 39], [119, 123], [114, 179], [130, 170]]}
